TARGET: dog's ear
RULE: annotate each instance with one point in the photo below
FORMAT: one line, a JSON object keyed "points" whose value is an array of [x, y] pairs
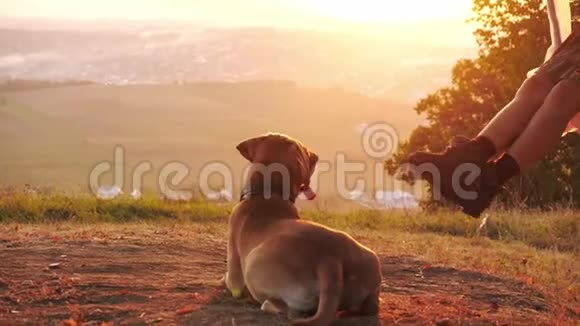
{"points": [[312, 160], [305, 187], [248, 147]]}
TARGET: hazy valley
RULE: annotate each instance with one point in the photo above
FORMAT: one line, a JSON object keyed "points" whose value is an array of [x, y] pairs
{"points": [[190, 93], [393, 65]]}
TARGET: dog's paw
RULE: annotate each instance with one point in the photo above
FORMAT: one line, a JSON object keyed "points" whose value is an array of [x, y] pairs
{"points": [[271, 307], [236, 291]]}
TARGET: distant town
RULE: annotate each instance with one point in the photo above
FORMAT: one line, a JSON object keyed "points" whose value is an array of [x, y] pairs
{"points": [[154, 55]]}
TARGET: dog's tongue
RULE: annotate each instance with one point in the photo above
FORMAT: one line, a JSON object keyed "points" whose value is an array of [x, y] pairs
{"points": [[309, 193]]}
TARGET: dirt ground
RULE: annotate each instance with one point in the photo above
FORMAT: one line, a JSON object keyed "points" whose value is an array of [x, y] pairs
{"points": [[167, 277]]}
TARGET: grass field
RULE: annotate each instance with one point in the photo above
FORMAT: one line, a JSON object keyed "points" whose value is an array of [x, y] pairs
{"points": [[55, 136], [144, 261]]}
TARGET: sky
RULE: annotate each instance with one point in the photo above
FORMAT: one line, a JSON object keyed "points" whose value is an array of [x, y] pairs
{"points": [[300, 13]]}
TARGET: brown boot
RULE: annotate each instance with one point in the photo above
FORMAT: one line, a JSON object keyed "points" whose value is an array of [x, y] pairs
{"points": [[460, 152]]}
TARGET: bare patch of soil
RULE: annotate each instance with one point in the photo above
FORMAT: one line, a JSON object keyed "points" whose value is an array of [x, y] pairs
{"points": [[170, 278]]}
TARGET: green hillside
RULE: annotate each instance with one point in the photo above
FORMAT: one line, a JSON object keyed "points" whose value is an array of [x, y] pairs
{"points": [[54, 136]]}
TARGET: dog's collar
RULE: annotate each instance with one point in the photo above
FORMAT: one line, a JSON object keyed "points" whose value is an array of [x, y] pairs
{"points": [[251, 190]]}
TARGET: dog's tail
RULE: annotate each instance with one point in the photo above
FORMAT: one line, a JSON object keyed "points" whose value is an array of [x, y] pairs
{"points": [[330, 279]]}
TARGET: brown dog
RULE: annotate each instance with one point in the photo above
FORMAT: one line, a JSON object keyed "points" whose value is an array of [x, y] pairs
{"points": [[288, 264]]}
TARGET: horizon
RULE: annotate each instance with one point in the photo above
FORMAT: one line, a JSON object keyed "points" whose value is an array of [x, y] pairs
{"points": [[446, 22]]}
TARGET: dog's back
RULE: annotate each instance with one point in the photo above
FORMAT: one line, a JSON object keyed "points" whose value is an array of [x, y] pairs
{"points": [[290, 264]]}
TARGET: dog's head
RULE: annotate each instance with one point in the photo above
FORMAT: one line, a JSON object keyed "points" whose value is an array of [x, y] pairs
{"points": [[278, 154]]}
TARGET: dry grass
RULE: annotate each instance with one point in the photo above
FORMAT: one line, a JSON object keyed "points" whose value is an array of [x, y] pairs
{"points": [[553, 271], [534, 251], [556, 230], [540, 248]]}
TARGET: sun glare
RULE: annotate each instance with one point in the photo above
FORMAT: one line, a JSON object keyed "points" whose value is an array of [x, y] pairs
{"points": [[389, 11], [304, 13]]}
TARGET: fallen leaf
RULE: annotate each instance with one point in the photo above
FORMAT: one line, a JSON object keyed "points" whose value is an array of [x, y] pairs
{"points": [[494, 306], [70, 322], [427, 266], [106, 324], [55, 239], [185, 310], [530, 281], [124, 292]]}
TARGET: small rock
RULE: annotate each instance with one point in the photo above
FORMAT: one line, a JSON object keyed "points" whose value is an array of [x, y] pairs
{"points": [[28, 283], [54, 265], [63, 256], [155, 321]]}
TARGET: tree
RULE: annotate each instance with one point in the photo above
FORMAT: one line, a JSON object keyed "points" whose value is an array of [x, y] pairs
{"points": [[512, 37]]}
